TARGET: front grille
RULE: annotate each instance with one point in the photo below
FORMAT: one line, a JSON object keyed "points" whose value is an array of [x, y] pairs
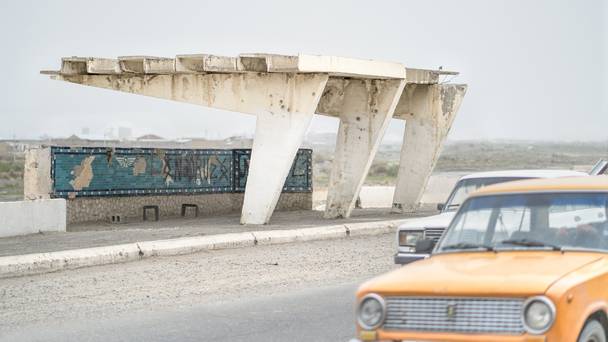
{"points": [[433, 233], [458, 314]]}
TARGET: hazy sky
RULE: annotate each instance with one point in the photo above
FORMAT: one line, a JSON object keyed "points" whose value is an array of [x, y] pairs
{"points": [[535, 69]]}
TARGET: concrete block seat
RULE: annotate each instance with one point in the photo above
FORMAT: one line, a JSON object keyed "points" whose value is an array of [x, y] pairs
{"points": [[154, 208], [189, 205]]}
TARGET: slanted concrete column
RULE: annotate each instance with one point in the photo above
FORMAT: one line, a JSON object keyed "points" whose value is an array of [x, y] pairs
{"points": [[429, 111], [365, 111], [278, 135]]}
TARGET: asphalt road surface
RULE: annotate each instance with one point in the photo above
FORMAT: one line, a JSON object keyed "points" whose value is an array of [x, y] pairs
{"points": [[291, 292], [323, 314]]}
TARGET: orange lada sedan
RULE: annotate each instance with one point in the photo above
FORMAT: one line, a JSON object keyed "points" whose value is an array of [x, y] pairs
{"points": [[520, 261]]}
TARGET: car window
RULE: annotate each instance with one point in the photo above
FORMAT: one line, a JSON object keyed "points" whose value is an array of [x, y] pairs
{"points": [[467, 186], [511, 219], [575, 220], [471, 226]]}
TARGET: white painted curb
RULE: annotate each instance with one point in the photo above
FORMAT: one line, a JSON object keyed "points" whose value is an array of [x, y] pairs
{"points": [[28, 264], [19, 265], [196, 244]]}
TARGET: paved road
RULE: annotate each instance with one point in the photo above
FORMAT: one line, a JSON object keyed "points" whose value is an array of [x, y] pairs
{"points": [[323, 314], [291, 292]]}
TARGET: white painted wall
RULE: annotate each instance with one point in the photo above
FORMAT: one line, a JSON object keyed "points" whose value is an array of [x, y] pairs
{"points": [[29, 217]]}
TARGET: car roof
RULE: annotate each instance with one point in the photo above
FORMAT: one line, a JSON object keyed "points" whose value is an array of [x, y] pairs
{"points": [[525, 174], [568, 184]]}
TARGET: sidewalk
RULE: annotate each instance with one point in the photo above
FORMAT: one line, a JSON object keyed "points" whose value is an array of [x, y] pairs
{"points": [[106, 234], [99, 244]]}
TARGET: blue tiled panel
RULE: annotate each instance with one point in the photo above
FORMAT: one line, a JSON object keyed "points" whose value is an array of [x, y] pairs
{"points": [[135, 172], [298, 180]]}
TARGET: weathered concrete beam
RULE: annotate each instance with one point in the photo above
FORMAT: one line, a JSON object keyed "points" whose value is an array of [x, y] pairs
{"points": [[73, 66], [421, 76], [229, 91], [263, 62], [159, 65], [351, 67], [103, 66], [429, 111], [366, 108], [131, 64], [202, 63], [146, 65], [252, 62]]}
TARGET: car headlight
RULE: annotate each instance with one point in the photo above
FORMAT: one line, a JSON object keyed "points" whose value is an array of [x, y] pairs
{"points": [[538, 314], [371, 311], [408, 238]]}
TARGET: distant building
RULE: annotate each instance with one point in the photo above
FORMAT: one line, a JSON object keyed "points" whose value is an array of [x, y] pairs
{"points": [[151, 137]]}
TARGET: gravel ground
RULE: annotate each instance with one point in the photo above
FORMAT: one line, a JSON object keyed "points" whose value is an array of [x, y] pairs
{"points": [[187, 281]]}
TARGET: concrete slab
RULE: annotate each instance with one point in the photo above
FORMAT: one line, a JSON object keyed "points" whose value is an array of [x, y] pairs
{"points": [[107, 234]]}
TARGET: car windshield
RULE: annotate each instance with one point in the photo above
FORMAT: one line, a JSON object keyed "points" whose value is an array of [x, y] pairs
{"points": [[541, 220], [466, 186]]}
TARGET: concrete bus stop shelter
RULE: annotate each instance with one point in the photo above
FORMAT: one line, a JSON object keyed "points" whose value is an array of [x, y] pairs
{"points": [[284, 92]]}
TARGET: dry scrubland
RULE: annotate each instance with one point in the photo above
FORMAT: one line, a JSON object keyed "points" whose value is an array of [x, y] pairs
{"points": [[471, 156], [11, 173], [456, 157]]}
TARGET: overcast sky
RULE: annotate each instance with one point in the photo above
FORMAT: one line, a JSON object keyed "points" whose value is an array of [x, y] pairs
{"points": [[535, 69]]}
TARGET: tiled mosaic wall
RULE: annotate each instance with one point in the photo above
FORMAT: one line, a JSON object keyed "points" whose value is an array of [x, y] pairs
{"points": [[93, 172]]}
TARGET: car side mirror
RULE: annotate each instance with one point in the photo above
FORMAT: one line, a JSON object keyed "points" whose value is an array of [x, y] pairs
{"points": [[425, 246], [440, 206]]}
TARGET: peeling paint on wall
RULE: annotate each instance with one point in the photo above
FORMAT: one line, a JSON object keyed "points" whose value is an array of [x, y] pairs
{"points": [[139, 167], [299, 178], [91, 172], [83, 174]]}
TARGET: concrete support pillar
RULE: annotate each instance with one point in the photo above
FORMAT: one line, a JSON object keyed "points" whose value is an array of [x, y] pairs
{"points": [[365, 111], [429, 111], [278, 135]]}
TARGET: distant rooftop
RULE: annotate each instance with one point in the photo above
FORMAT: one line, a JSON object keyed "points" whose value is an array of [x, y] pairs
{"points": [[150, 137]]}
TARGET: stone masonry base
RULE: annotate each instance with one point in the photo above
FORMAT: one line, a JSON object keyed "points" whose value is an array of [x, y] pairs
{"points": [[131, 208]]}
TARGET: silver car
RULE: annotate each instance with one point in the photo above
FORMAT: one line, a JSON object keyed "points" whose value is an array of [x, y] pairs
{"points": [[416, 238]]}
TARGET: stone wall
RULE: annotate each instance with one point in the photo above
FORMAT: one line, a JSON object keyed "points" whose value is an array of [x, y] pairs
{"points": [[130, 208]]}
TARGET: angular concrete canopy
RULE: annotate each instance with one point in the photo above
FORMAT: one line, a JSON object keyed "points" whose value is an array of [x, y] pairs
{"points": [[284, 92]]}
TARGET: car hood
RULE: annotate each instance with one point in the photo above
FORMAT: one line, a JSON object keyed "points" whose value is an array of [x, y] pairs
{"points": [[440, 221], [508, 273]]}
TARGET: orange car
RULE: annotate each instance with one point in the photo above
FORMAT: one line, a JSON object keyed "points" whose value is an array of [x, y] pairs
{"points": [[520, 261]]}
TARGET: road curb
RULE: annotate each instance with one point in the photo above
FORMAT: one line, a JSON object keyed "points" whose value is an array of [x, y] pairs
{"points": [[38, 263]]}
